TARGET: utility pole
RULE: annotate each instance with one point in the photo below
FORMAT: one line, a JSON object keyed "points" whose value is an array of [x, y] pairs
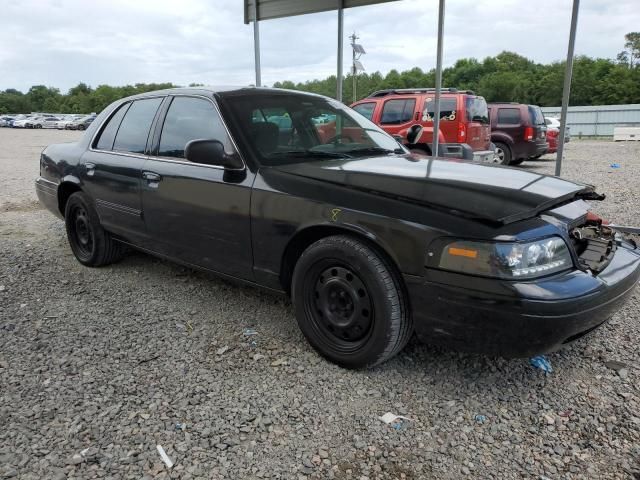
{"points": [[356, 66]]}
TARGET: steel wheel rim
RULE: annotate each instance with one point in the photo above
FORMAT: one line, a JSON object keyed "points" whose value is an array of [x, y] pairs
{"points": [[339, 306], [499, 155], [82, 231]]}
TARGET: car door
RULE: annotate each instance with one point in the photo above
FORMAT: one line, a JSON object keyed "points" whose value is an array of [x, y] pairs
{"points": [[197, 213], [111, 167]]}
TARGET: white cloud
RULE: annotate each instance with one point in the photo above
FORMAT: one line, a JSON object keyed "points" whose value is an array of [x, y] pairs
{"points": [[62, 42]]}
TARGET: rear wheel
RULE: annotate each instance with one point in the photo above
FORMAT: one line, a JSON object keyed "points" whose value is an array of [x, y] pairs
{"points": [[503, 154], [349, 303], [80, 127], [91, 244]]}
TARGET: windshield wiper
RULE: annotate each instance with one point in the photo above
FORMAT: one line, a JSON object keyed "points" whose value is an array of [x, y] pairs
{"points": [[367, 150], [309, 154]]}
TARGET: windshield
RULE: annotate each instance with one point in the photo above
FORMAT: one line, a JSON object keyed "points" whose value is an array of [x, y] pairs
{"points": [[293, 128]]}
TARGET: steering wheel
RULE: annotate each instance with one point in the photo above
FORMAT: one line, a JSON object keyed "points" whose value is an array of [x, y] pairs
{"points": [[339, 137]]}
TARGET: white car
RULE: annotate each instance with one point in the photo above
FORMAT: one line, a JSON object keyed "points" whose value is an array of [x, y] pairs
{"points": [[64, 122], [46, 122], [555, 123], [23, 123]]}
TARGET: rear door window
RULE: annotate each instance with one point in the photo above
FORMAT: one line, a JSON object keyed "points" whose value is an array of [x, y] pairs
{"points": [[134, 129], [366, 109], [448, 108], [509, 116], [108, 135], [398, 111]]}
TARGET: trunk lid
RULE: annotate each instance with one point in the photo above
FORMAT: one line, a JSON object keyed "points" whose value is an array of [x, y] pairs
{"points": [[479, 191]]}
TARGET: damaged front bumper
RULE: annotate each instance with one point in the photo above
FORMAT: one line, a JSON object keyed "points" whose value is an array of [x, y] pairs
{"points": [[520, 319]]}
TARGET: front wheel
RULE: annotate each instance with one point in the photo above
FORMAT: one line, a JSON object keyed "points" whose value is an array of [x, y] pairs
{"points": [[91, 244], [350, 304], [80, 127]]}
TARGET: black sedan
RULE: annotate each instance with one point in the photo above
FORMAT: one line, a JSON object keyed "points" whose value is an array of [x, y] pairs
{"points": [[299, 194]]}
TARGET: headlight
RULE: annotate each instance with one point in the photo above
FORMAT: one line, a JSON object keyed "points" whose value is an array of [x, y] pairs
{"points": [[507, 260]]}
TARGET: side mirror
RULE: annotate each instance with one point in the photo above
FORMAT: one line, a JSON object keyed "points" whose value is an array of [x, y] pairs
{"points": [[414, 133], [210, 152]]}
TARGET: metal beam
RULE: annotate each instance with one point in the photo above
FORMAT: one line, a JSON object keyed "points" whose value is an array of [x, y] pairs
{"points": [[340, 48], [287, 8], [436, 113], [256, 44], [566, 91]]}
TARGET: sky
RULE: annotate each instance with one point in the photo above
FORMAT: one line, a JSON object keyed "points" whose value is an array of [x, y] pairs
{"points": [[61, 43]]}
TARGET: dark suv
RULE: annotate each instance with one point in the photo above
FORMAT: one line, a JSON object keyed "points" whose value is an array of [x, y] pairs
{"points": [[518, 131]]}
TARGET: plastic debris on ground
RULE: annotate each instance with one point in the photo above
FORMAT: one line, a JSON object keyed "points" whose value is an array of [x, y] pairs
{"points": [[615, 165], [480, 419], [542, 363], [165, 458], [181, 426], [397, 422], [247, 332]]}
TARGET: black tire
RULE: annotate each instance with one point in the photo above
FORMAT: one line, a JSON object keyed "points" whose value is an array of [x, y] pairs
{"points": [[503, 154], [350, 303], [517, 161], [535, 157], [80, 127], [91, 244]]}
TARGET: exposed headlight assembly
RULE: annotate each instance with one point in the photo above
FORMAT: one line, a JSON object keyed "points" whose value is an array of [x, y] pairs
{"points": [[505, 259]]}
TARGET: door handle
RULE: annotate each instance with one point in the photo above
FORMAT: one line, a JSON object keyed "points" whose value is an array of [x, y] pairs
{"points": [[91, 168], [151, 177]]}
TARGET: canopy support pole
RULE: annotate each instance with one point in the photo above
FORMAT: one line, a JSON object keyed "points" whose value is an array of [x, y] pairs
{"points": [[256, 43], [436, 113], [566, 91], [340, 48]]}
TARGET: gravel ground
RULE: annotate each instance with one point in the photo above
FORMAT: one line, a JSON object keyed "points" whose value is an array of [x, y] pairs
{"points": [[98, 366]]}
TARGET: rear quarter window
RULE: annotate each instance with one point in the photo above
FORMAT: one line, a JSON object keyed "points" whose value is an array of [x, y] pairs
{"points": [[448, 109], [108, 134], [509, 116]]}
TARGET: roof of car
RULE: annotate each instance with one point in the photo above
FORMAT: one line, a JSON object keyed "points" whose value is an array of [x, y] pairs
{"points": [[224, 90]]}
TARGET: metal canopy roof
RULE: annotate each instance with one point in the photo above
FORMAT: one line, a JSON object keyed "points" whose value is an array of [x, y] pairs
{"points": [[268, 9]]}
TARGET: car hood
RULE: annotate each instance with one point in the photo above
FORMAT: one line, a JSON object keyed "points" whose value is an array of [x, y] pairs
{"points": [[480, 191]]}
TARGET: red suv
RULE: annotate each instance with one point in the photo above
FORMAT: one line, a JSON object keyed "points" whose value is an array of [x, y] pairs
{"points": [[464, 118]]}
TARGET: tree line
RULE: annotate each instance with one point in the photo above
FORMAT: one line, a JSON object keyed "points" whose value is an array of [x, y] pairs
{"points": [[505, 77]]}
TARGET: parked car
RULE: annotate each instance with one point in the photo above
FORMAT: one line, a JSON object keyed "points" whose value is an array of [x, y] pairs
{"points": [[6, 121], [81, 123], [25, 122], [518, 131], [372, 242], [464, 118], [552, 140], [555, 123], [45, 122]]}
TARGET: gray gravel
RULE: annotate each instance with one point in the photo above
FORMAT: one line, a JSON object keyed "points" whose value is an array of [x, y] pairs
{"points": [[98, 366]]}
